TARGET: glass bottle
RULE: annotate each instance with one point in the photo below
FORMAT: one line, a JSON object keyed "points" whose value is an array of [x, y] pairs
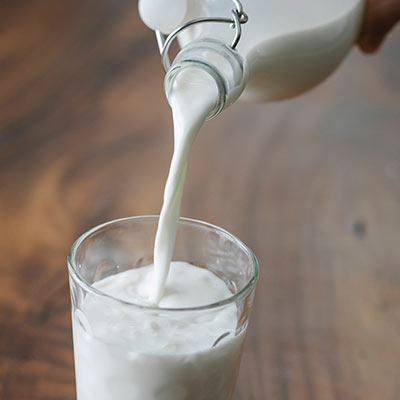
{"points": [[288, 46]]}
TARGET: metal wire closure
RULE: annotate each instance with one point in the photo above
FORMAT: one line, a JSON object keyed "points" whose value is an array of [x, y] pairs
{"points": [[239, 17]]}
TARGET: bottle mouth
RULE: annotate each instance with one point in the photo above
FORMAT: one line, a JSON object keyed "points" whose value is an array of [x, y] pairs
{"points": [[176, 70], [222, 63]]}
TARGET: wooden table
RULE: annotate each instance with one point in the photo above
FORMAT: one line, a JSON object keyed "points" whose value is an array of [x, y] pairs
{"points": [[312, 185]]}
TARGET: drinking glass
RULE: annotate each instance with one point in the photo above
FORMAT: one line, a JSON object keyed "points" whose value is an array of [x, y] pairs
{"points": [[110, 360]]}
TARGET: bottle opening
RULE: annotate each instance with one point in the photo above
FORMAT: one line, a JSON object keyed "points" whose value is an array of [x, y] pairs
{"points": [[221, 62], [179, 73]]}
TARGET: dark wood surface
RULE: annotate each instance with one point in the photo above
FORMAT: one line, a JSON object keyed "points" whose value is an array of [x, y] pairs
{"points": [[312, 185]]}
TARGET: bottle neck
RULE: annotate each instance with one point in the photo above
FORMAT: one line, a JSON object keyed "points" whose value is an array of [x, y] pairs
{"points": [[226, 67]]}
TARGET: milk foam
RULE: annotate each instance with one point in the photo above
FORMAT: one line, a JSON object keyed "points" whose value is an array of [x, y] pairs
{"points": [[150, 332]]}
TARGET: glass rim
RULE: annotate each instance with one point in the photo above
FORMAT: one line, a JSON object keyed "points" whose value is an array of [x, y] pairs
{"points": [[73, 270]]}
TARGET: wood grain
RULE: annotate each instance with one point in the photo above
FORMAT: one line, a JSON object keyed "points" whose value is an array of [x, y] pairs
{"points": [[312, 185]]}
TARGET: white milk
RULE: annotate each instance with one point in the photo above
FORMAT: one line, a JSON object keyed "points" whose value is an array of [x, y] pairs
{"points": [[132, 353], [192, 98], [289, 45]]}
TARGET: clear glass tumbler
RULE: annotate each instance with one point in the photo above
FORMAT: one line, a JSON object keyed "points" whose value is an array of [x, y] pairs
{"points": [[111, 362]]}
